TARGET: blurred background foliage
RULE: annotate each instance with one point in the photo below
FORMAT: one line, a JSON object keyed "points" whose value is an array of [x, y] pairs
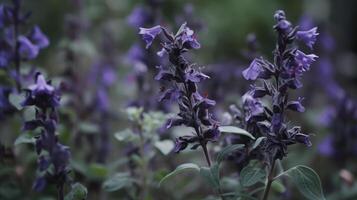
{"points": [[222, 29]]}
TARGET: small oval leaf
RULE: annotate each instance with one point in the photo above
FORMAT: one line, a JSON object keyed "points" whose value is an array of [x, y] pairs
{"points": [[78, 192], [257, 142], [307, 181], [210, 175], [235, 130], [165, 146], [25, 139], [16, 100], [180, 168], [252, 174], [117, 182]]}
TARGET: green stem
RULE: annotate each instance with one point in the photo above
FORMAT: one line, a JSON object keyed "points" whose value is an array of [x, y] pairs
{"points": [[270, 181], [144, 188]]}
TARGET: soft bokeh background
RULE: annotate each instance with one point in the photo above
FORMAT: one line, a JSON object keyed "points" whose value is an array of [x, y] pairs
{"points": [[102, 34]]}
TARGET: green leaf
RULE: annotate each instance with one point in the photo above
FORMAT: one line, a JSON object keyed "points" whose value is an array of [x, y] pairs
{"points": [[307, 181], [78, 192], [226, 151], [87, 127], [16, 100], [278, 186], [180, 168], [165, 146], [25, 139], [126, 135], [235, 130], [257, 142], [97, 171], [252, 174], [117, 182], [211, 175], [134, 113]]}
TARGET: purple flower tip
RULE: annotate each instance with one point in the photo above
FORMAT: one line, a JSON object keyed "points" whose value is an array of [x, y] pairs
{"points": [[253, 71], [28, 50], [304, 61], [189, 40], [39, 38], [149, 34], [308, 37]]}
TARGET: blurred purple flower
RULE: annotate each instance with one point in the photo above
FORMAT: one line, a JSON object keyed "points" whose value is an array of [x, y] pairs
{"points": [[149, 34], [326, 147], [138, 17], [27, 49], [304, 61], [308, 37], [38, 38]]}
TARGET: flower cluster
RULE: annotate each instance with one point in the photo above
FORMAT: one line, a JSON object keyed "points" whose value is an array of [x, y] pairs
{"points": [[14, 45], [278, 78], [52, 154], [194, 108], [342, 121]]}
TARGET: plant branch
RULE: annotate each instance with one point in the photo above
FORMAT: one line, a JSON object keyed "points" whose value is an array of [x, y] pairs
{"points": [[270, 181]]}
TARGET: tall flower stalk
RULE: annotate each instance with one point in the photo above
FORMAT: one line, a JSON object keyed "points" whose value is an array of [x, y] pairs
{"points": [[53, 156], [278, 79], [182, 78], [17, 46]]}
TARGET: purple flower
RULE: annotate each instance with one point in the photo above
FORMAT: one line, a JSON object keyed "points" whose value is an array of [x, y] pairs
{"points": [[5, 58], [296, 105], [149, 34], [283, 26], [138, 17], [162, 52], [38, 38], [41, 94], [212, 133], [308, 37], [27, 49], [195, 76], [253, 71], [253, 107], [326, 147], [180, 145], [304, 61], [303, 139], [182, 80], [189, 40], [135, 53], [278, 77]]}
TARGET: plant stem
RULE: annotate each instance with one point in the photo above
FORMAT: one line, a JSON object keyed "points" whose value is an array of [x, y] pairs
{"points": [[270, 181], [205, 151], [17, 46], [144, 186], [60, 192]]}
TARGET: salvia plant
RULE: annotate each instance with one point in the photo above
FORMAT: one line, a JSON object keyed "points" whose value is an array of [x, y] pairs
{"points": [[184, 77], [51, 153], [18, 46], [266, 121], [129, 117], [278, 77]]}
